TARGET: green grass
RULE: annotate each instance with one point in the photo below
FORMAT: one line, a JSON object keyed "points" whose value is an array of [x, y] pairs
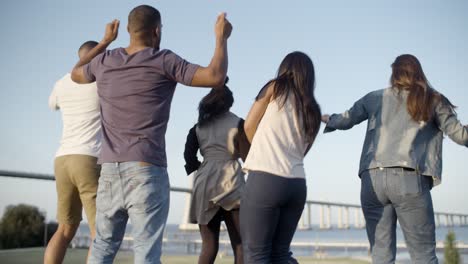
{"points": [[35, 255]]}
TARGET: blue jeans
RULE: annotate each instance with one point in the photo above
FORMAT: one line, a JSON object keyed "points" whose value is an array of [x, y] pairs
{"points": [[136, 190], [270, 209], [388, 194]]}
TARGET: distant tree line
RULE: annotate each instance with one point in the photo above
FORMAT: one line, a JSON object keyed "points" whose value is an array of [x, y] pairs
{"points": [[24, 226]]}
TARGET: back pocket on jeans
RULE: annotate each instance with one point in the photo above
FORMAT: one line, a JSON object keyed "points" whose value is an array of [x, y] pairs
{"points": [[148, 188], [104, 195], [410, 182]]}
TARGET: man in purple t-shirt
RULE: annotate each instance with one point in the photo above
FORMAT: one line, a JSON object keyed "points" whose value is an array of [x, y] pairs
{"points": [[135, 87]]}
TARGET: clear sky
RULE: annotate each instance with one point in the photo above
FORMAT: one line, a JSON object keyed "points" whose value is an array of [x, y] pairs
{"points": [[352, 44]]}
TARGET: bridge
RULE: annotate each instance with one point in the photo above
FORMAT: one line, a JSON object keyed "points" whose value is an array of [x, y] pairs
{"points": [[345, 215]]}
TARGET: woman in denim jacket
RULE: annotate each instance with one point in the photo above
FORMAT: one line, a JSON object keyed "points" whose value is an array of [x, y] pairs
{"points": [[401, 158]]}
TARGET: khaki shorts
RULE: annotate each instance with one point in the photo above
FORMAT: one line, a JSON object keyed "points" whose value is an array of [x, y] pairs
{"points": [[76, 179]]}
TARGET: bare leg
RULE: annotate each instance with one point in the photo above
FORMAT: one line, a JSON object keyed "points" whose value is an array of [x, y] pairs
{"points": [[93, 235], [57, 247]]}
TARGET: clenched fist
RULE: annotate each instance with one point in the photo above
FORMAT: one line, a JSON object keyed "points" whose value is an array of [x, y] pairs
{"points": [[223, 27], [112, 30]]}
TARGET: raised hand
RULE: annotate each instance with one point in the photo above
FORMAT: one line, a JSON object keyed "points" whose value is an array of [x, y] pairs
{"points": [[112, 30], [223, 27]]}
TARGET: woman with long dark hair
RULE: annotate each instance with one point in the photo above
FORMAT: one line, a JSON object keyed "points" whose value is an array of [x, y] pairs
{"points": [[401, 159], [281, 125], [219, 180]]}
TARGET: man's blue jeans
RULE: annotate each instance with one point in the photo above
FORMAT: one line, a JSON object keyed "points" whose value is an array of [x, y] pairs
{"points": [[388, 194], [135, 190]]}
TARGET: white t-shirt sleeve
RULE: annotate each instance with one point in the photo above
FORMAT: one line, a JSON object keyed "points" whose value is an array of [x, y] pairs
{"points": [[53, 99]]}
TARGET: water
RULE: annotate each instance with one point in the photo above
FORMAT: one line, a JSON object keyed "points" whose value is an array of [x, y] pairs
{"points": [[180, 242], [359, 235]]}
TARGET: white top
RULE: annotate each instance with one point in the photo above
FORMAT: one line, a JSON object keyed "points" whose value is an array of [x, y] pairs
{"points": [[79, 104], [278, 145]]}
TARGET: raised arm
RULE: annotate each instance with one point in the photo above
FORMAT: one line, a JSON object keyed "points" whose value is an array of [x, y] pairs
{"points": [[77, 74], [355, 115], [190, 152], [215, 73], [257, 111], [448, 122]]}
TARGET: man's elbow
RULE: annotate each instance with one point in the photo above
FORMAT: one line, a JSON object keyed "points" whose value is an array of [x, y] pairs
{"points": [[74, 76], [218, 77], [219, 80], [209, 77], [77, 77]]}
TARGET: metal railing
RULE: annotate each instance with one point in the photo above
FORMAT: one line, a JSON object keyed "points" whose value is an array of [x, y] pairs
{"points": [[306, 220]]}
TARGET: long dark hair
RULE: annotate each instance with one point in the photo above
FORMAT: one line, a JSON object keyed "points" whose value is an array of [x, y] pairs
{"points": [[216, 102], [296, 78], [407, 74]]}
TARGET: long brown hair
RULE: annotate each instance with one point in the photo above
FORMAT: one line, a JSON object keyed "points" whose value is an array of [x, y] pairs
{"points": [[407, 74], [296, 77]]}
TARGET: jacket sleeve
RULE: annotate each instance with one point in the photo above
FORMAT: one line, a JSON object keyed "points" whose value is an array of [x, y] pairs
{"points": [[447, 121], [190, 153], [355, 115]]}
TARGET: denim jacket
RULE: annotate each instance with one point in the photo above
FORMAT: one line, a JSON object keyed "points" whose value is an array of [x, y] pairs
{"points": [[393, 139]]}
